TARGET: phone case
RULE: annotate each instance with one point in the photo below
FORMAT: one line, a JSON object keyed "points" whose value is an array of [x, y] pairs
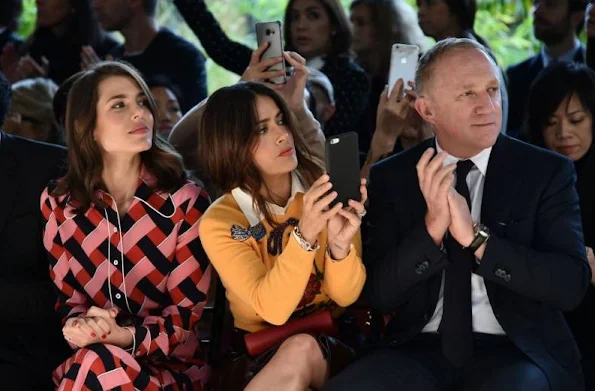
{"points": [[271, 32], [342, 166], [403, 64]]}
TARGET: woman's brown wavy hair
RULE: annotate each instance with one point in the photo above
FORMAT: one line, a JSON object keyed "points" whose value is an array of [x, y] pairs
{"points": [[228, 136], [340, 41], [85, 163]]}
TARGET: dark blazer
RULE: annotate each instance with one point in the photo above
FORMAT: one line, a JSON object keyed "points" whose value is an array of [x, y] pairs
{"points": [[534, 264], [31, 341], [520, 79]]}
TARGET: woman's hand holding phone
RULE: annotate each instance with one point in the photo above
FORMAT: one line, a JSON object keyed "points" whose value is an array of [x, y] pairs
{"points": [[258, 70], [316, 212], [343, 226], [293, 91]]}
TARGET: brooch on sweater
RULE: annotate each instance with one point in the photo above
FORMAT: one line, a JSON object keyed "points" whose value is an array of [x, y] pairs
{"points": [[242, 234], [275, 241]]}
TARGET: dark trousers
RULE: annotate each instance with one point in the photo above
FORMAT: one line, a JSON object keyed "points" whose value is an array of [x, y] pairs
{"points": [[419, 365]]}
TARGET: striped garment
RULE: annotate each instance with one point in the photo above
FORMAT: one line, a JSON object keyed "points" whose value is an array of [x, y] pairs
{"points": [[149, 264]]}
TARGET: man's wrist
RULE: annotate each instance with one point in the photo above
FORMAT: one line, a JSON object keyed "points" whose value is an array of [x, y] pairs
{"points": [[476, 246], [469, 237], [437, 235]]}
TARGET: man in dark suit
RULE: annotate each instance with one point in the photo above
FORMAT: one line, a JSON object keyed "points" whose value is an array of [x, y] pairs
{"points": [[557, 24], [475, 251], [31, 342], [10, 11]]}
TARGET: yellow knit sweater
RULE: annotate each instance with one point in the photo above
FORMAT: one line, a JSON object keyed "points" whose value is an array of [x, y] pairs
{"points": [[267, 275]]}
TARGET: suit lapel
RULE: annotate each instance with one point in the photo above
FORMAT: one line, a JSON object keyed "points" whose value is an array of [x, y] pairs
{"points": [[501, 184], [8, 165]]}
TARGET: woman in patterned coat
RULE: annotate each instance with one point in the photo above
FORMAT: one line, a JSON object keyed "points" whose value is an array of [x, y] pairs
{"points": [[121, 229]]}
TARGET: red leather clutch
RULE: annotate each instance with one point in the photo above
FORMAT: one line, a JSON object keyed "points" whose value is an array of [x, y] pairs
{"points": [[259, 341]]}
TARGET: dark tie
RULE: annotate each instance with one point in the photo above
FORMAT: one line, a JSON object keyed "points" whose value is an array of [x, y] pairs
{"points": [[456, 328]]}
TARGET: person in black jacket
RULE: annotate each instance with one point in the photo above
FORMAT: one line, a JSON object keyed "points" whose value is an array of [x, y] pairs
{"points": [[31, 344], [557, 25], [560, 118], [316, 29], [153, 50], [474, 272]]}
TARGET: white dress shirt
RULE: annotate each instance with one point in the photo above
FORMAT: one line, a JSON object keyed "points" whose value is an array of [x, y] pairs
{"points": [[566, 57], [484, 320]]}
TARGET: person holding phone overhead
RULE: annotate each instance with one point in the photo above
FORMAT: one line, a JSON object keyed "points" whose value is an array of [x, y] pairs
{"points": [[280, 250], [377, 25], [121, 230], [316, 29]]}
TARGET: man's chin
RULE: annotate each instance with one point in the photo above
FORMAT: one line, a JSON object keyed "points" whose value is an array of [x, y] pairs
{"points": [[547, 37]]}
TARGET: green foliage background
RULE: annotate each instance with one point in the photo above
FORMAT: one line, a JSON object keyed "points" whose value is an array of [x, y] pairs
{"points": [[505, 24]]}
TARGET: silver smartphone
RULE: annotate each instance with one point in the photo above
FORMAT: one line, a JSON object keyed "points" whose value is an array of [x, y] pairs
{"points": [[403, 64], [272, 32]]}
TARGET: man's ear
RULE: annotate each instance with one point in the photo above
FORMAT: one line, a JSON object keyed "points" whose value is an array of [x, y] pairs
{"points": [[425, 109]]}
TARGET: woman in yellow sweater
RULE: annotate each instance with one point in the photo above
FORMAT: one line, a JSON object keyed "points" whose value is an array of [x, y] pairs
{"points": [[279, 249]]}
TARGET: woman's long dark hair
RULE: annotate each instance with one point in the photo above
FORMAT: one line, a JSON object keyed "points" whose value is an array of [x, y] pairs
{"points": [[85, 162], [228, 136], [395, 21], [341, 40], [552, 86]]}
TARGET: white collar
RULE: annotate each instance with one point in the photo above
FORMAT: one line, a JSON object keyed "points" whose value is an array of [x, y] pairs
{"points": [[251, 211], [315, 62], [480, 160], [566, 57]]}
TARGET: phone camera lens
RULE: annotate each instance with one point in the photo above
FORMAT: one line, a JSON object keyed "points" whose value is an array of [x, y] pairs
{"points": [[268, 32]]}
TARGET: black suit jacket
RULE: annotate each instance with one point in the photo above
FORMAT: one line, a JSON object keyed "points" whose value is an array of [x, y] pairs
{"points": [[520, 79], [31, 338], [534, 264]]}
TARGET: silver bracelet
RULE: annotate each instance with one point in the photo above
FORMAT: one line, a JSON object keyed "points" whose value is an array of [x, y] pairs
{"points": [[303, 242]]}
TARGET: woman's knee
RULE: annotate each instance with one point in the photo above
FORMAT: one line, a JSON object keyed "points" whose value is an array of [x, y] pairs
{"points": [[301, 347]]}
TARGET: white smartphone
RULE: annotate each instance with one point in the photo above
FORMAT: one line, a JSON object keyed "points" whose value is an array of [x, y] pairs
{"points": [[403, 64], [272, 32]]}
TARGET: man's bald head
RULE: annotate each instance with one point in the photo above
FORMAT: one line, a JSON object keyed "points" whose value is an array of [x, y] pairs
{"points": [[432, 58]]}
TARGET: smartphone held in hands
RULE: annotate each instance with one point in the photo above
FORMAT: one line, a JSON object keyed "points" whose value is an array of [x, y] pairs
{"points": [[271, 32], [342, 166], [403, 64]]}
